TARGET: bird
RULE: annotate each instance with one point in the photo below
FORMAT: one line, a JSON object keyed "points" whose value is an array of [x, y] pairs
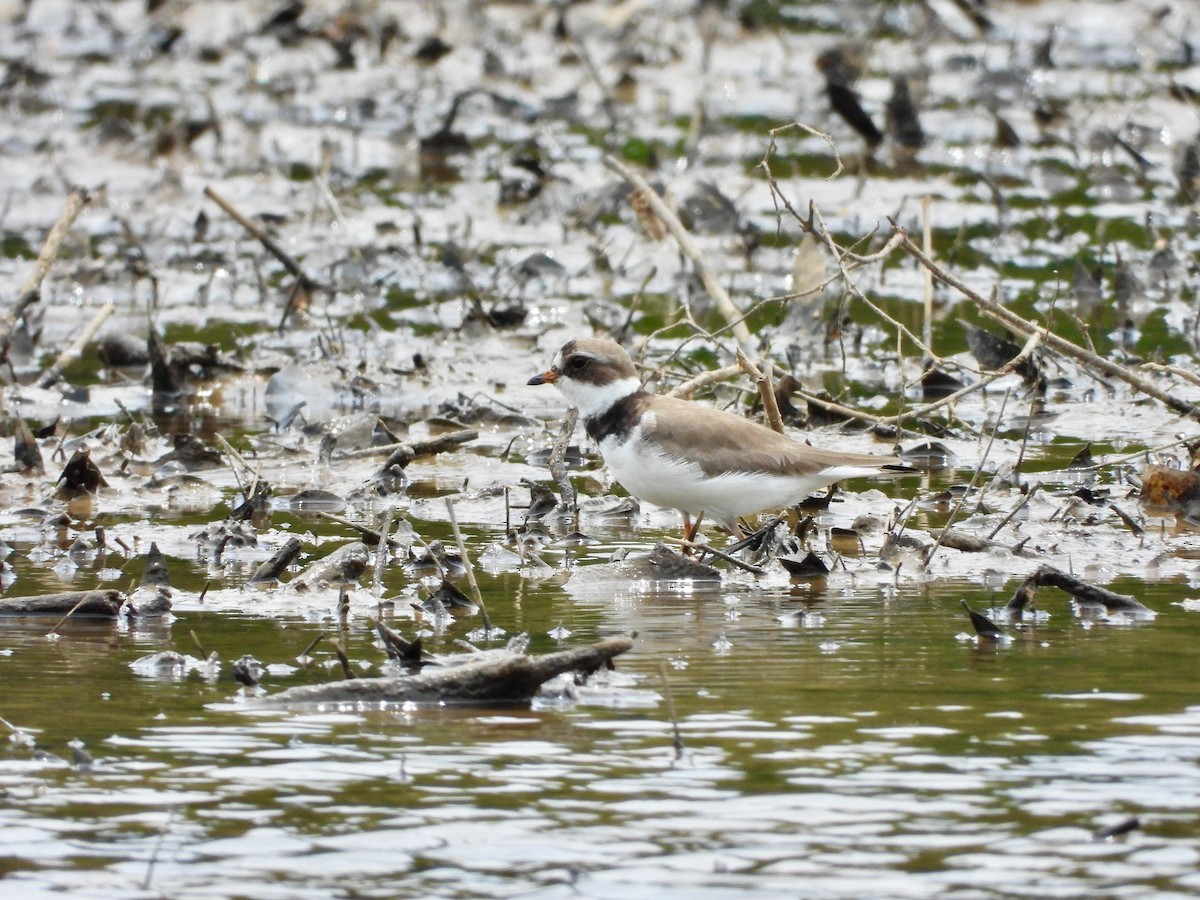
{"points": [[689, 457]]}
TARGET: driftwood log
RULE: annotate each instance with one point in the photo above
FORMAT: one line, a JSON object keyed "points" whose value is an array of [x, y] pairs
{"points": [[105, 604], [1089, 596], [491, 676]]}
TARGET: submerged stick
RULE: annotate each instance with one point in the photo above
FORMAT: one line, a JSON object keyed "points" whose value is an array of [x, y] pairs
{"points": [[1086, 594], [670, 700], [313, 643], [347, 671]]}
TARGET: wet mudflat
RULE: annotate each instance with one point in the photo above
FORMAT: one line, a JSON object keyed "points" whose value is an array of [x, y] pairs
{"points": [[428, 221]]}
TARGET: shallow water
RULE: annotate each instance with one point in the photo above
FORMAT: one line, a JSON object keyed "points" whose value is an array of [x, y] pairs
{"points": [[869, 748]]}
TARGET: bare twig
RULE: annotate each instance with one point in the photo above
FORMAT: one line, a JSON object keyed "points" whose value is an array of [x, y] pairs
{"points": [[269, 243], [75, 349], [1016, 509], [1090, 360], [1027, 351], [418, 448], [313, 643], [731, 314], [30, 291], [82, 600], [927, 238], [236, 457], [765, 165], [347, 671], [370, 536], [382, 552], [606, 98], [765, 391], [687, 388], [720, 554], [162, 836], [1178, 371], [819, 230], [199, 646], [77, 199]]}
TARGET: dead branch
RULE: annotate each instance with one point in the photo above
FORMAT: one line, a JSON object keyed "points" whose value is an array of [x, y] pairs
{"points": [[90, 604], [269, 243], [31, 290], [731, 314], [766, 391], [1087, 595], [499, 676], [687, 388], [75, 350], [414, 449], [1014, 322]]}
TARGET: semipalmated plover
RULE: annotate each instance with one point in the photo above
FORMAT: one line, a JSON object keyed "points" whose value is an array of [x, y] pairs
{"points": [[689, 457]]}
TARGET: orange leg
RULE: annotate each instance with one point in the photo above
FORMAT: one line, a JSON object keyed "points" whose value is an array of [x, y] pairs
{"points": [[688, 532]]}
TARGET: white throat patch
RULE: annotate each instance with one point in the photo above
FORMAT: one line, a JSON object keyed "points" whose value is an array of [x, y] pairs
{"points": [[596, 399]]}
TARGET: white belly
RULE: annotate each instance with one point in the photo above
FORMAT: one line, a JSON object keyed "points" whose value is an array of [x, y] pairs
{"points": [[654, 477]]}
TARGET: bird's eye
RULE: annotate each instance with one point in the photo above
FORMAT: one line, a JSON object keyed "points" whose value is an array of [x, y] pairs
{"points": [[577, 362]]}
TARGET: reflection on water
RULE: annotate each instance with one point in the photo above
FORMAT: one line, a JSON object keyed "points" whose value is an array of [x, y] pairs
{"points": [[905, 754]]}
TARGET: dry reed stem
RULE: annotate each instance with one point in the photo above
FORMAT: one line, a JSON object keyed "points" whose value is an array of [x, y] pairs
{"points": [[733, 317]]}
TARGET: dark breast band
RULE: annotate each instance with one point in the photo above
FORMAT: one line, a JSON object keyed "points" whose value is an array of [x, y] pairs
{"points": [[619, 419]]}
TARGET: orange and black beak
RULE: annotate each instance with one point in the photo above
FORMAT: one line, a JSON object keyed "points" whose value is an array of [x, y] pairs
{"points": [[547, 377]]}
